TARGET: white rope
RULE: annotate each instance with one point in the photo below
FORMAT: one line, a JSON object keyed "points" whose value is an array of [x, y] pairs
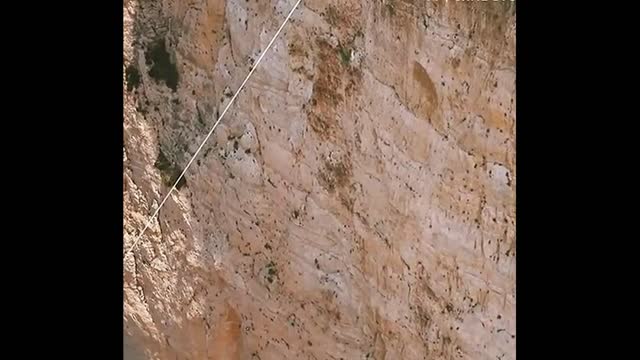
{"points": [[253, 68]]}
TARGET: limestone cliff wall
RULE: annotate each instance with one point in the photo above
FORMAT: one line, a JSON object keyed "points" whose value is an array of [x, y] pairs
{"points": [[356, 202]]}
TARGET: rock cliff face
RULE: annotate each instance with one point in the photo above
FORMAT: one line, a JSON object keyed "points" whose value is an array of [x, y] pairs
{"points": [[356, 202]]}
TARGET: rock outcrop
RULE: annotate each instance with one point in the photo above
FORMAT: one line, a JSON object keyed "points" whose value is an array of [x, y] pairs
{"points": [[356, 202]]}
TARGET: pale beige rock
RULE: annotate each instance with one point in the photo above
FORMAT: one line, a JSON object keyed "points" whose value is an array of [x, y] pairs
{"points": [[358, 199]]}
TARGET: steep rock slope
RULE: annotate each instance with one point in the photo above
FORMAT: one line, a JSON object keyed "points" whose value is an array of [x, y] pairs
{"points": [[356, 202]]}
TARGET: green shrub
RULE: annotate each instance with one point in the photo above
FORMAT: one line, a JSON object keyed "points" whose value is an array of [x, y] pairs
{"points": [[133, 77], [169, 172], [272, 272], [162, 69], [345, 55]]}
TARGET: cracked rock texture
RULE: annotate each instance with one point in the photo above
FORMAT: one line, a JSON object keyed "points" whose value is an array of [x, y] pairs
{"points": [[356, 202]]}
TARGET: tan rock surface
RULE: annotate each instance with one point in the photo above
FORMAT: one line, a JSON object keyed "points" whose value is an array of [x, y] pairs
{"points": [[356, 202]]}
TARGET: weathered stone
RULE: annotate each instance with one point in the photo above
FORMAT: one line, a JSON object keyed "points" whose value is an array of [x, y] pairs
{"points": [[356, 202]]}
